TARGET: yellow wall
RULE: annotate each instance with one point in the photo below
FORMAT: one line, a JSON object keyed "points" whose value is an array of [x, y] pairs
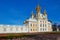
{"points": [[34, 27]]}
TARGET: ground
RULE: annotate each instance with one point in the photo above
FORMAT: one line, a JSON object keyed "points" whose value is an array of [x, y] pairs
{"points": [[31, 36]]}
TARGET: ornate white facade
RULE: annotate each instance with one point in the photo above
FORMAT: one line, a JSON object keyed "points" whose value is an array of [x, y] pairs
{"points": [[36, 23]]}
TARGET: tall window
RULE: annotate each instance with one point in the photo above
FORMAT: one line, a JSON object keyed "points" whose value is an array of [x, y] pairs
{"points": [[31, 24], [40, 21], [40, 25], [4, 29], [21, 29], [43, 25], [42, 15], [45, 29], [16, 28], [41, 29], [11, 29], [31, 29]]}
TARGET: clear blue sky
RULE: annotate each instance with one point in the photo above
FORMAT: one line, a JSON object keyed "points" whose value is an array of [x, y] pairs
{"points": [[14, 12]]}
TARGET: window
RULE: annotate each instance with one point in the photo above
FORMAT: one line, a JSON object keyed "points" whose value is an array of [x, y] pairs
{"points": [[34, 24], [42, 15], [43, 25], [31, 24], [40, 21], [21, 29], [16, 28], [45, 29], [41, 29], [11, 29], [4, 29], [31, 29], [40, 25]]}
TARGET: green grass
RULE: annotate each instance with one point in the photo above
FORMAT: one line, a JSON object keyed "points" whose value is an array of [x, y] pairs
{"points": [[15, 35]]}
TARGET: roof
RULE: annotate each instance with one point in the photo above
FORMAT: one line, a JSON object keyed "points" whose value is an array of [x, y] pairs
{"points": [[31, 19]]}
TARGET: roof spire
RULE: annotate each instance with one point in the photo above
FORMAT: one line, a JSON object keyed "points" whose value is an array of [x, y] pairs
{"points": [[45, 12], [38, 8], [32, 14]]}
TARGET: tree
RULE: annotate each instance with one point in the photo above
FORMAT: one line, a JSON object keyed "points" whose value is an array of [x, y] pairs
{"points": [[55, 26]]}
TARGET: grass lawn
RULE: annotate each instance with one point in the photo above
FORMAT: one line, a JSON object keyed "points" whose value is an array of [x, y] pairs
{"points": [[14, 35]]}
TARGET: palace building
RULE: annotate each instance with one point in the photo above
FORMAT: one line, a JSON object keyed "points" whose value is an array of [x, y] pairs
{"points": [[36, 23]]}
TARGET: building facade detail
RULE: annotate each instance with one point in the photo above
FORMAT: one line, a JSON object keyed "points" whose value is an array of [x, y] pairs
{"points": [[36, 23]]}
